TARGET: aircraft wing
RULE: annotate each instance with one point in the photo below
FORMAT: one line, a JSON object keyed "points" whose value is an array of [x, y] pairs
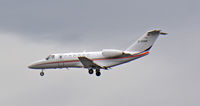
{"points": [[88, 63]]}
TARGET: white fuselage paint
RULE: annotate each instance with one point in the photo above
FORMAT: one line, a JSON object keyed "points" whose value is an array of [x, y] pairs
{"points": [[70, 60]]}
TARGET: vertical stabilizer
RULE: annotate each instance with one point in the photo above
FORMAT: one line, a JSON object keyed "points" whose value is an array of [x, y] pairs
{"points": [[145, 42]]}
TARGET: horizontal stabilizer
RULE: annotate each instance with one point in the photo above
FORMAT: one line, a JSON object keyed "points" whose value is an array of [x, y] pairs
{"points": [[163, 33]]}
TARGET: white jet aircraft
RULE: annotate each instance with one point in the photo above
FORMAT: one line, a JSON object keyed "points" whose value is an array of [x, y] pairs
{"points": [[104, 59]]}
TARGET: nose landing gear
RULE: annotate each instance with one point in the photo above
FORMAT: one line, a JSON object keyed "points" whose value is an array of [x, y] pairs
{"points": [[42, 73]]}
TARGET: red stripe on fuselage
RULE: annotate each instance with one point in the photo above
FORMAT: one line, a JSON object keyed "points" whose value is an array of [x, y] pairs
{"points": [[69, 61]]}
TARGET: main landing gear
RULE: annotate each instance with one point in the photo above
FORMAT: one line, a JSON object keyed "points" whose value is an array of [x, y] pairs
{"points": [[42, 73], [98, 73], [90, 71]]}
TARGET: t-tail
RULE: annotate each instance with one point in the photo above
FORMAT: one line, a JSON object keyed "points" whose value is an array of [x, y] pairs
{"points": [[145, 42]]}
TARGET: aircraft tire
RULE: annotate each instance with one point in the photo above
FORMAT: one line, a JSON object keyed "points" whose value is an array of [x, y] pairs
{"points": [[42, 73], [98, 73], [90, 71]]}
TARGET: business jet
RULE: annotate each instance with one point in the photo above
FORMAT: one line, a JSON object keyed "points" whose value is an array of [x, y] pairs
{"points": [[98, 60]]}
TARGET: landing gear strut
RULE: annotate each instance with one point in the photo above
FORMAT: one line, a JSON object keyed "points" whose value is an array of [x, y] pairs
{"points": [[90, 71], [98, 73], [42, 73]]}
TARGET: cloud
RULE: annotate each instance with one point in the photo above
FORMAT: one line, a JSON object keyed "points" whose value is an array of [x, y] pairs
{"points": [[31, 30], [91, 20], [160, 78]]}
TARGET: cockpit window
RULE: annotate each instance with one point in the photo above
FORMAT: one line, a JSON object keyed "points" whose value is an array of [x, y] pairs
{"points": [[50, 57]]}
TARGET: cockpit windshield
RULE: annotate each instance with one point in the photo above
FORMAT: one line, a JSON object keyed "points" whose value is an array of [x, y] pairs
{"points": [[50, 57]]}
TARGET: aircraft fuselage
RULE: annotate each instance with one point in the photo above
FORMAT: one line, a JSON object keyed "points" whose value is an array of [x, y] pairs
{"points": [[70, 60]]}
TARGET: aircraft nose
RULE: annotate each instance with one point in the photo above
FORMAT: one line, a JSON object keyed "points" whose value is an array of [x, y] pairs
{"points": [[32, 66], [37, 65]]}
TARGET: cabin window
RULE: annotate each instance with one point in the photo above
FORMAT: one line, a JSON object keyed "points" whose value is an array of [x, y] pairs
{"points": [[60, 57]]}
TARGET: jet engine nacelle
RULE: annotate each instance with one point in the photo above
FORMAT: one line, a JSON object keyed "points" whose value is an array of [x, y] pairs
{"points": [[111, 53]]}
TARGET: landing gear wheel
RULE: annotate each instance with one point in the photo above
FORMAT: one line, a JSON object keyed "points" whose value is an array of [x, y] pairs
{"points": [[90, 71], [98, 73], [42, 73]]}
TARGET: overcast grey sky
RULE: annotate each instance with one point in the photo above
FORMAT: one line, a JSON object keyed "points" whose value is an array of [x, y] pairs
{"points": [[32, 29]]}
